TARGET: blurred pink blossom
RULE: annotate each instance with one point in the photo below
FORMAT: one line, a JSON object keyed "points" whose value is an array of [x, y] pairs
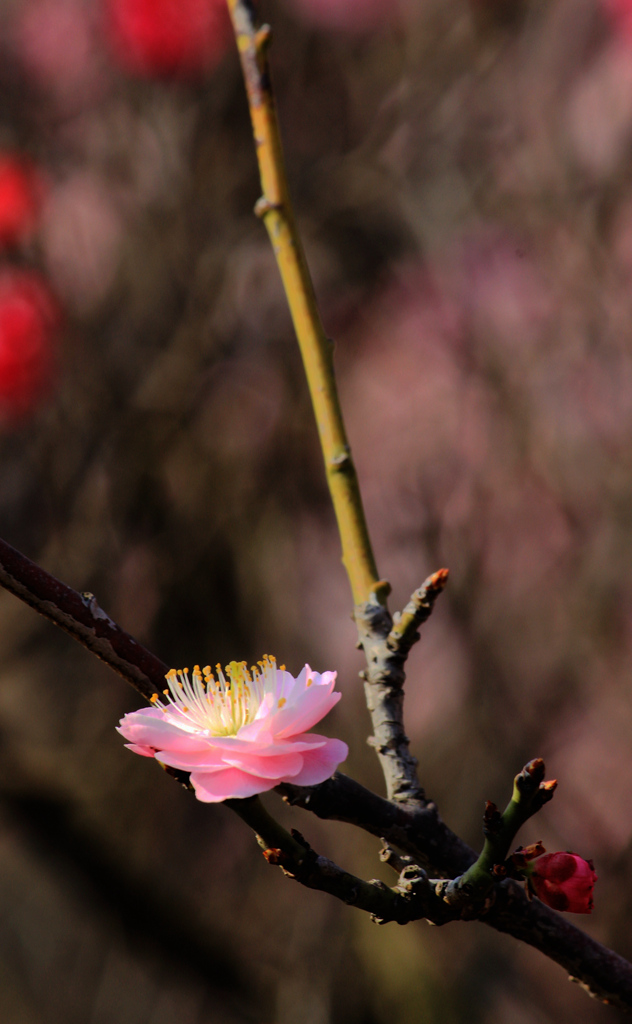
{"points": [[241, 733], [57, 43], [82, 232]]}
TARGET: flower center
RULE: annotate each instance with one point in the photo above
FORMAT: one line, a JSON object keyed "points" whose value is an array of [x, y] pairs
{"points": [[220, 704]]}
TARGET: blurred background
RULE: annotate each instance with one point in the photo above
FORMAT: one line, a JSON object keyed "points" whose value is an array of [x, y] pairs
{"points": [[462, 172]]}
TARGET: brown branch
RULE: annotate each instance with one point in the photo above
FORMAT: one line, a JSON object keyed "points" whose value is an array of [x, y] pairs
{"points": [[599, 970], [299, 861], [417, 830], [387, 643], [80, 616], [423, 836]]}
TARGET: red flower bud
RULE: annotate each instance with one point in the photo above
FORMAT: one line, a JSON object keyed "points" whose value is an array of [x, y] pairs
{"points": [[20, 198], [29, 321], [563, 881], [168, 38]]}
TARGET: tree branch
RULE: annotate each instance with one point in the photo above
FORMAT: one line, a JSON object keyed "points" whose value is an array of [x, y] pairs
{"points": [[385, 673], [417, 830], [295, 857]]}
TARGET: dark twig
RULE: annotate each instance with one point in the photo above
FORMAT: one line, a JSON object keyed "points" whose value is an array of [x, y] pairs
{"points": [[80, 616], [418, 831], [384, 691], [599, 970], [295, 857]]}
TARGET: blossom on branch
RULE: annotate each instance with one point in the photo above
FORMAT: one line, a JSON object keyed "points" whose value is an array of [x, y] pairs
{"points": [[240, 732], [564, 881]]}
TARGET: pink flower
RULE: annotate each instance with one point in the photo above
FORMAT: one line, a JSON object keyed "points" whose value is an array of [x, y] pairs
{"points": [[563, 881], [242, 732], [168, 38]]}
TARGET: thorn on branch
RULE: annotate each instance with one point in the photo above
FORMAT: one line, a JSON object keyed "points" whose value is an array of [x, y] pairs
{"points": [[264, 206], [263, 38]]}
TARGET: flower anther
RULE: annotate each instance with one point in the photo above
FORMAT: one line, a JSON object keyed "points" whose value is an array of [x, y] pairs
{"points": [[239, 731]]}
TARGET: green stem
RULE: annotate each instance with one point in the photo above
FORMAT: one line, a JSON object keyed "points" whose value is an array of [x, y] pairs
{"points": [[530, 793], [275, 209]]}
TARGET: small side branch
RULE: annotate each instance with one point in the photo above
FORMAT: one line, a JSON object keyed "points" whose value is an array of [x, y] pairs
{"points": [[530, 793], [404, 632], [299, 861], [386, 644]]}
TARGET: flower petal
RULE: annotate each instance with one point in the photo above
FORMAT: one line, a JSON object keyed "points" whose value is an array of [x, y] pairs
{"points": [[276, 766], [216, 754], [144, 751], [308, 709], [145, 729], [231, 783], [320, 762]]}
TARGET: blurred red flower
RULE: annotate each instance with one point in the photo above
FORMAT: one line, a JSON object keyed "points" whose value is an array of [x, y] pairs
{"points": [[564, 881], [29, 322], [168, 38], [21, 192]]}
